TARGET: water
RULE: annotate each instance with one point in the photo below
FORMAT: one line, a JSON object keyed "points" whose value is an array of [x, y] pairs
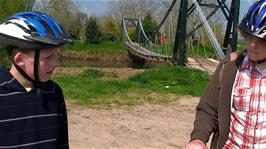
{"points": [[70, 62]]}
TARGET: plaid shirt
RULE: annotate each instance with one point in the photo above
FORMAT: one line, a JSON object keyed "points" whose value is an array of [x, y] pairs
{"points": [[248, 111]]}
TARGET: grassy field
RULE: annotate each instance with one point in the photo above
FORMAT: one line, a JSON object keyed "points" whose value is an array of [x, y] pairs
{"points": [[90, 89]]}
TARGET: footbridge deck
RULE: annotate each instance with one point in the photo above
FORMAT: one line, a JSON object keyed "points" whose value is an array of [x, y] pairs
{"points": [[138, 50]]}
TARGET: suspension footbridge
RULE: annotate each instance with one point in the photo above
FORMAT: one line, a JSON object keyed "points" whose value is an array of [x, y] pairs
{"points": [[177, 49]]}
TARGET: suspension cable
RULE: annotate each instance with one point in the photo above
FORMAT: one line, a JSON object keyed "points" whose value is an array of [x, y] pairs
{"points": [[214, 42], [166, 15]]}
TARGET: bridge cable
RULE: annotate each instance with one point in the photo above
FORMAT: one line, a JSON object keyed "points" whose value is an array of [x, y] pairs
{"points": [[166, 15], [215, 43]]}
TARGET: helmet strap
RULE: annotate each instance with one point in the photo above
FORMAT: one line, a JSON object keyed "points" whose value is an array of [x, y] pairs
{"points": [[35, 82], [36, 65], [22, 72]]}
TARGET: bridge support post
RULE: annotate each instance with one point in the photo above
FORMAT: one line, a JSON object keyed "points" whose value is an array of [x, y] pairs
{"points": [[138, 33], [179, 51], [122, 31], [231, 35]]}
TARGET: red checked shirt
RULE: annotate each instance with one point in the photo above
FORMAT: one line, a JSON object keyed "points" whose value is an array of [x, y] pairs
{"points": [[248, 109]]}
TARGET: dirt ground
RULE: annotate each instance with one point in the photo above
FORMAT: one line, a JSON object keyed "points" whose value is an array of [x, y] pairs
{"points": [[147, 126]]}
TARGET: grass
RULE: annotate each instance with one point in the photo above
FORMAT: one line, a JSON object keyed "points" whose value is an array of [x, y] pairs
{"points": [[200, 51], [89, 89], [241, 45], [4, 58], [103, 47]]}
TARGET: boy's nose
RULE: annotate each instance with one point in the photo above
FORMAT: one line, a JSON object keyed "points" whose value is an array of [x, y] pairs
{"points": [[56, 62]]}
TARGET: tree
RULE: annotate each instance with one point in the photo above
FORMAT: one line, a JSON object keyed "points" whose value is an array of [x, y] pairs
{"points": [[149, 25], [9, 7], [93, 33], [82, 19], [64, 11], [110, 30], [131, 8]]}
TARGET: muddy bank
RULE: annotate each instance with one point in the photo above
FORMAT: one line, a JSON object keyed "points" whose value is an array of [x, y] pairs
{"points": [[103, 60], [87, 56]]}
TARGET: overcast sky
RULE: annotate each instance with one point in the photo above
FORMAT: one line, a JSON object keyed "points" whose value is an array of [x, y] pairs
{"points": [[100, 7], [93, 7]]}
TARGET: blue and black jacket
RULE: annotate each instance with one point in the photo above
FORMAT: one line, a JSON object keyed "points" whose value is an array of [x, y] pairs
{"points": [[29, 120]]}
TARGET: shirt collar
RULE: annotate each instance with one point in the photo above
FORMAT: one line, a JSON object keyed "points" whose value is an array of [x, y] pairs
{"points": [[249, 64], [246, 62]]}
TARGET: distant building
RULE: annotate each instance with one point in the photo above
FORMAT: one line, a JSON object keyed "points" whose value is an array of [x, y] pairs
{"points": [[164, 39]]}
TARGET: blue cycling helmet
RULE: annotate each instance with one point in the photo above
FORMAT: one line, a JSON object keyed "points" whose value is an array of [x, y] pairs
{"points": [[254, 22], [31, 30]]}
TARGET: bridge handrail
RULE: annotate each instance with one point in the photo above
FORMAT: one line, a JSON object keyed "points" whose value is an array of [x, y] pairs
{"points": [[137, 49], [142, 30], [124, 27], [143, 50]]}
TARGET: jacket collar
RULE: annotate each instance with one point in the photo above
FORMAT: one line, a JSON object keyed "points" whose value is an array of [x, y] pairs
{"points": [[8, 82]]}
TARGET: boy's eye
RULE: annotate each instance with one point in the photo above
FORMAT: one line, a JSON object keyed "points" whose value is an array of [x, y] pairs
{"points": [[46, 58]]}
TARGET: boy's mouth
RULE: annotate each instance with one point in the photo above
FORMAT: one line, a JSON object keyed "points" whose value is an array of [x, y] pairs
{"points": [[50, 72]]}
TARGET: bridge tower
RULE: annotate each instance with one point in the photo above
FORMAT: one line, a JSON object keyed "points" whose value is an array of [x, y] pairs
{"points": [[231, 35]]}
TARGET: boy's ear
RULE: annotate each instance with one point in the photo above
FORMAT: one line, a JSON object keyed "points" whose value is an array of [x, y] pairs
{"points": [[18, 58]]}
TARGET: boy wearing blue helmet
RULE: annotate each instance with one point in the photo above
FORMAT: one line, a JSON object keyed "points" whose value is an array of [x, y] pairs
{"points": [[233, 107], [32, 108]]}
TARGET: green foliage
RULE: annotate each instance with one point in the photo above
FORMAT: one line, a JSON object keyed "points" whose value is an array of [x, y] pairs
{"points": [[173, 79], [149, 25], [132, 33], [93, 34], [110, 30], [162, 79], [9, 7], [97, 74], [201, 51], [91, 91], [4, 58], [241, 45], [92, 73]]}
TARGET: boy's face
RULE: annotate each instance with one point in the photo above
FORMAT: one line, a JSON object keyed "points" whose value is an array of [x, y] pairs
{"points": [[256, 47], [49, 60]]}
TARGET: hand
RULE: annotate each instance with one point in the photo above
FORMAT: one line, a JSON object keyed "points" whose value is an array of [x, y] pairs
{"points": [[196, 144]]}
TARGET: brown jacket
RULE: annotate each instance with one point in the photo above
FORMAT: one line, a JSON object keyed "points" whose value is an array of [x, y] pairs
{"points": [[213, 110]]}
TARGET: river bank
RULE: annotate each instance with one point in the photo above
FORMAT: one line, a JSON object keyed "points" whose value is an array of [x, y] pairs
{"points": [[83, 58]]}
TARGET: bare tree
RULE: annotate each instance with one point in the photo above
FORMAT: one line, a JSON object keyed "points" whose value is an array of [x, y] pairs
{"points": [[82, 19], [131, 8], [64, 11]]}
